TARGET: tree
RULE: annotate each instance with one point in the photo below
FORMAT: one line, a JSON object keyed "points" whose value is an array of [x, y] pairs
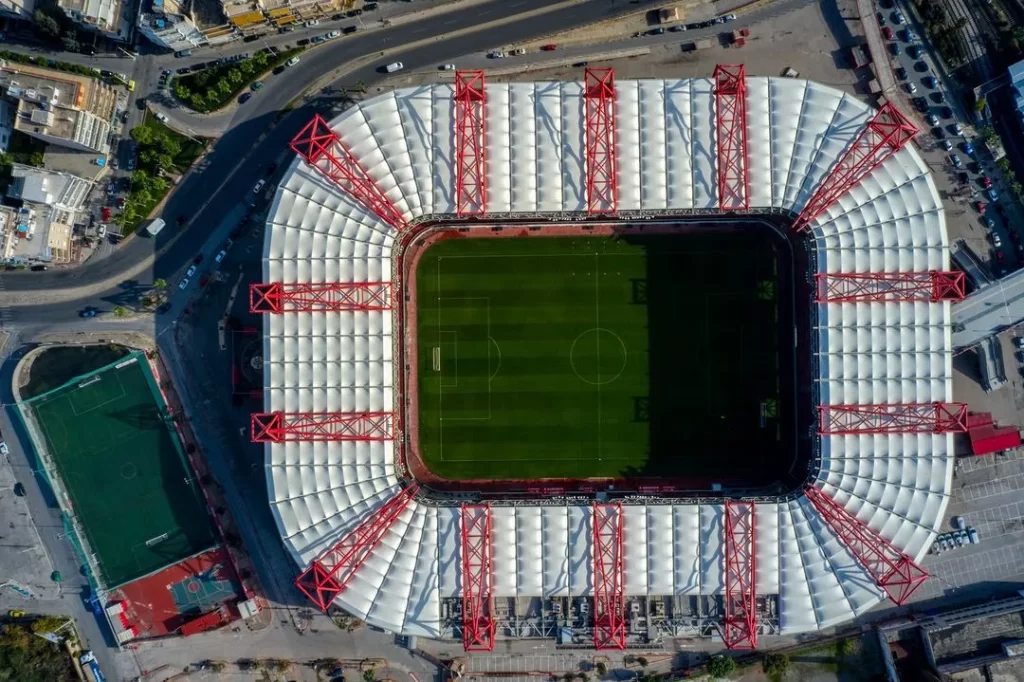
{"points": [[120, 311], [160, 283], [224, 87], [168, 145], [642, 662], [148, 302], [218, 666], [1017, 188], [235, 76], [142, 135], [247, 67], [601, 668], [369, 675], [775, 665], [980, 105], [48, 624], [46, 24], [1004, 165], [720, 666], [36, 159], [70, 42]]}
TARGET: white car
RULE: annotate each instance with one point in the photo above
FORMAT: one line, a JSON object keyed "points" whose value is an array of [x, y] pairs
{"points": [[519, 51], [1019, 342], [447, 67], [730, 17], [183, 284], [495, 54], [996, 241], [161, 117], [3, 448], [958, 129], [191, 271], [259, 186], [311, 23], [220, 256], [332, 35], [947, 145], [911, 88], [292, 62]]}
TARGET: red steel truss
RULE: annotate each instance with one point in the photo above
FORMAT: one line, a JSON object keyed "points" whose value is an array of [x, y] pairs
{"points": [[470, 138], [907, 418], [330, 573], [893, 571], [278, 427], [731, 122], [609, 600], [931, 286], [739, 629], [602, 161], [321, 148], [883, 136], [477, 613], [276, 297]]}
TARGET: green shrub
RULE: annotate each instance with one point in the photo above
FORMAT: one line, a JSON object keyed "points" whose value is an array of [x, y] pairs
{"points": [[721, 666]]}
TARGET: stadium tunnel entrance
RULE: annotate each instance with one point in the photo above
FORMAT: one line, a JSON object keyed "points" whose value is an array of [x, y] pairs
{"points": [[716, 397]]}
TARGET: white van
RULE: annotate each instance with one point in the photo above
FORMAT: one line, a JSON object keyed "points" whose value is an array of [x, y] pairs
{"points": [[394, 66]]}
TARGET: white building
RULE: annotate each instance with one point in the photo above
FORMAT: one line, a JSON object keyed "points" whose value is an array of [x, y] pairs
{"points": [[40, 229], [866, 353]]}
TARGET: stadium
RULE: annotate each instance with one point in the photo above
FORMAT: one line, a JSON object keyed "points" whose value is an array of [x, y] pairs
{"points": [[608, 362]]}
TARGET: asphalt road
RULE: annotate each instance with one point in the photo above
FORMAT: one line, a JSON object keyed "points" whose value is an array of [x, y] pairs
{"points": [[220, 190]]}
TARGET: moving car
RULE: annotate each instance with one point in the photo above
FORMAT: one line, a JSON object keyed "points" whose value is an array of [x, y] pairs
{"points": [[394, 66], [259, 186], [447, 67], [257, 85], [183, 53], [161, 117], [495, 54], [292, 62], [244, 97], [220, 256], [88, 312], [549, 47]]}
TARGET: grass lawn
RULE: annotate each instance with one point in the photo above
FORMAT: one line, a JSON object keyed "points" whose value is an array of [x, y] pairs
{"points": [[596, 357]]}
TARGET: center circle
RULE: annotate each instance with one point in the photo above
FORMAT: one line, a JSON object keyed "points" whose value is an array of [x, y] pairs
{"points": [[598, 356], [128, 471], [193, 586]]}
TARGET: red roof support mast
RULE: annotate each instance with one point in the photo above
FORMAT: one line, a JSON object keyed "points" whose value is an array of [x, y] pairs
{"points": [[893, 571], [477, 571], [739, 629], [731, 122], [329, 574], [321, 148], [276, 297], [609, 597], [835, 420], [883, 136], [934, 286], [278, 427], [470, 144], [600, 134]]}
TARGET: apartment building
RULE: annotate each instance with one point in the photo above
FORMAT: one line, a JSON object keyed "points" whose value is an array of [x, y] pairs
{"points": [[60, 108], [38, 226]]}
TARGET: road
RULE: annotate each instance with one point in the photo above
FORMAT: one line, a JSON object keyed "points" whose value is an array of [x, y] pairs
{"points": [[235, 163]]}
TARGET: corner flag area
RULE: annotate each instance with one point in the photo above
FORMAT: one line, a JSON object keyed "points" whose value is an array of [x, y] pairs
{"points": [[109, 449]]}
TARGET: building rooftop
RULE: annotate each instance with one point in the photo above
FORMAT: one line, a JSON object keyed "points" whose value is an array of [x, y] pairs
{"points": [[103, 14], [42, 228]]}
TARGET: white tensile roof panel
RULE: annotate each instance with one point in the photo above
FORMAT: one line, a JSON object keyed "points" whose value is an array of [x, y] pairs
{"points": [[535, 145]]}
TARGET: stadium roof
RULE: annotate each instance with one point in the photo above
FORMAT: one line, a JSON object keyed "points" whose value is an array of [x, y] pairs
{"points": [[865, 353]]}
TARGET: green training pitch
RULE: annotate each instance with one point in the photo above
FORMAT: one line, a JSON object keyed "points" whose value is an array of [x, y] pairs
{"points": [[130, 487], [595, 357]]}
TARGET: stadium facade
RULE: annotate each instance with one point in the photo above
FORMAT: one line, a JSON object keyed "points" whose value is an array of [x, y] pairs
{"points": [[622, 568]]}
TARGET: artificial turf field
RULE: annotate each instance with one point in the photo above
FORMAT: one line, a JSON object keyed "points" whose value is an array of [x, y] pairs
{"points": [[588, 357], [131, 489]]}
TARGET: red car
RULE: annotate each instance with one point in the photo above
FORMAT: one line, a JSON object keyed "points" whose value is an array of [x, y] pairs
{"points": [[887, 33], [986, 181], [105, 211], [549, 47], [980, 206]]}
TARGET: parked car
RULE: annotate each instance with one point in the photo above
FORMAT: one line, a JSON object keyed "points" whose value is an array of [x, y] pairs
{"points": [[495, 54], [992, 194], [959, 523], [259, 186], [930, 82], [257, 85], [349, 29], [332, 35], [292, 62], [958, 129], [164, 307], [898, 17], [311, 23], [932, 119], [887, 33], [911, 88], [161, 117], [901, 73], [447, 67], [220, 256], [955, 160], [549, 47], [656, 31], [677, 28], [191, 271], [88, 312], [972, 535], [183, 284], [4, 450], [947, 145], [996, 241], [244, 97], [915, 53], [986, 181], [981, 209]]}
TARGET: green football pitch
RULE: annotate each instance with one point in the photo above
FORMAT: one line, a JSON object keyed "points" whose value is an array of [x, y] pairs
{"points": [[593, 357], [130, 487]]}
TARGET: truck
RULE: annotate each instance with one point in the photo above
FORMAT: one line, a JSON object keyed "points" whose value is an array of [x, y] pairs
{"points": [[90, 668], [153, 229]]}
